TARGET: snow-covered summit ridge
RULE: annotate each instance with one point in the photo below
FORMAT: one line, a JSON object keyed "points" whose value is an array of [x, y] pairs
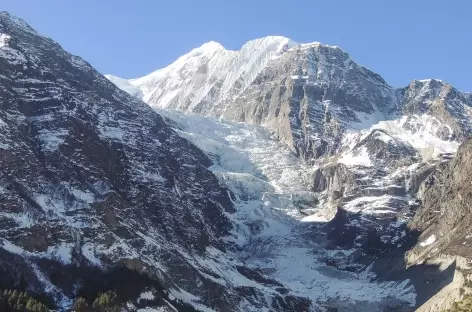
{"points": [[270, 43], [428, 80], [208, 73], [210, 48], [211, 73], [7, 18]]}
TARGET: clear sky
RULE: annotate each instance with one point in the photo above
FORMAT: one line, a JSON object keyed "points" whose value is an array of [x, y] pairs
{"points": [[399, 39]]}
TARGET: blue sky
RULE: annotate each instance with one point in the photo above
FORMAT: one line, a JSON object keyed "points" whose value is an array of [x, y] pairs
{"points": [[399, 39]]}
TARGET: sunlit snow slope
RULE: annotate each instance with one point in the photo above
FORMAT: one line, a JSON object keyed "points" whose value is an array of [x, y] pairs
{"points": [[208, 74]]}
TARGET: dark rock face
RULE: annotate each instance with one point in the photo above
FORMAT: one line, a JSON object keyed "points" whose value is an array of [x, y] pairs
{"points": [[332, 178], [337, 181], [94, 182], [446, 203], [82, 140], [93, 177]]}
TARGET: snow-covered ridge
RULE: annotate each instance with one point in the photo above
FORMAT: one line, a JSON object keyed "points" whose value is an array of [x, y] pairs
{"points": [[419, 131], [18, 22], [210, 75], [207, 73], [429, 80], [125, 85], [269, 44]]}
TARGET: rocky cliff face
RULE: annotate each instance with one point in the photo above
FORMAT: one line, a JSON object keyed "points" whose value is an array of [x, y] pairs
{"points": [[310, 95], [443, 217]]}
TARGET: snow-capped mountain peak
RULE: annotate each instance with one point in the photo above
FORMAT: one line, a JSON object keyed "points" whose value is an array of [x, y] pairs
{"points": [[429, 80], [208, 73], [269, 43], [209, 47]]}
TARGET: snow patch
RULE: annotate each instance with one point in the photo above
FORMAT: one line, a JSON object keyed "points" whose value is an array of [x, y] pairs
{"points": [[23, 220], [51, 140], [115, 133], [421, 132], [79, 62], [86, 196], [430, 240], [88, 251], [61, 252], [4, 39], [13, 56], [356, 158], [315, 218], [14, 249], [49, 204], [383, 137], [148, 309], [147, 295]]}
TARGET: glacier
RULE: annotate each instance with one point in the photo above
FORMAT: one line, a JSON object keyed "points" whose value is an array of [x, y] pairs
{"points": [[268, 182]]}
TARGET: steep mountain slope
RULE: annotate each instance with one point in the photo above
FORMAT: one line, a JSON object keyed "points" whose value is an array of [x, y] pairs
{"points": [[443, 219], [310, 95], [437, 98], [94, 180], [444, 215]]}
